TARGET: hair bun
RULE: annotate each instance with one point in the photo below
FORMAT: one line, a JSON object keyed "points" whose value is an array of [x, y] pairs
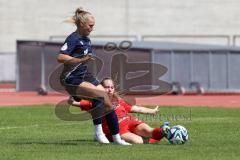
{"points": [[79, 10]]}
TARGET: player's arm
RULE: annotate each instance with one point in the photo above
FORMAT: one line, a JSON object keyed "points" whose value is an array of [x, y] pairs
{"points": [[83, 104], [66, 59], [144, 110]]}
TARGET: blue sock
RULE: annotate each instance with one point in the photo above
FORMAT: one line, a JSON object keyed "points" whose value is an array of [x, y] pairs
{"points": [[112, 122], [98, 110], [98, 113]]}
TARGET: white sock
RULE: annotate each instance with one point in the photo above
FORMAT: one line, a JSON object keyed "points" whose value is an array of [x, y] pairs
{"points": [[98, 129]]}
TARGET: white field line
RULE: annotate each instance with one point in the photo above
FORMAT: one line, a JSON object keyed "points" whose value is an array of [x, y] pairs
{"points": [[36, 126]]}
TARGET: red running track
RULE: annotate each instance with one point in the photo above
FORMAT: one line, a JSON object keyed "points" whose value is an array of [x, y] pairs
{"points": [[222, 101]]}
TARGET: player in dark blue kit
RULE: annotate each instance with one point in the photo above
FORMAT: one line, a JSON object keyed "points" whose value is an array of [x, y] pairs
{"points": [[80, 83]]}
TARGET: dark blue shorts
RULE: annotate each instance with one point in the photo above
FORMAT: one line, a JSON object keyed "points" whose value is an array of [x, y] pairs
{"points": [[76, 81], [71, 83]]}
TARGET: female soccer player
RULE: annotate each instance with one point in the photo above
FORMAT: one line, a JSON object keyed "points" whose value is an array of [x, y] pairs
{"points": [[79, 82], [131, 129]]}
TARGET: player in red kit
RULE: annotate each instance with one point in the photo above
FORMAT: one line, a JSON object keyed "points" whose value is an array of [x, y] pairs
{"points": [[132, 129]]}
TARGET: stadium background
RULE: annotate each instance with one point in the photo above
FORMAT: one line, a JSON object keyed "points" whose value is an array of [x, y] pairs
{"points": [[200, 22], [29, 127]]}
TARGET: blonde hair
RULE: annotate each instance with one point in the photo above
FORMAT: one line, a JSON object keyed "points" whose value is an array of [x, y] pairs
{"points": [[80, 16]]}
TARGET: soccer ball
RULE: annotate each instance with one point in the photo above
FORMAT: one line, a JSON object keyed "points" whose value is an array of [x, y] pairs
{"points": [[178, 135]]}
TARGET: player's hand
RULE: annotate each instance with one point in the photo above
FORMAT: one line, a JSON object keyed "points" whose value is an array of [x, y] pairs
{"points": [[89, 57], [70, 100], [155, 110]]}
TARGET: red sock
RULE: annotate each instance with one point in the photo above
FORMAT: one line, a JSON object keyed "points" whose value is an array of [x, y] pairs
{"points": [[157, 135]]}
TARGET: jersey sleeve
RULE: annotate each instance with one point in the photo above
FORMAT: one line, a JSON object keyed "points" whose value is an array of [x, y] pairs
{"points": [[68, 46], [127, 106]]}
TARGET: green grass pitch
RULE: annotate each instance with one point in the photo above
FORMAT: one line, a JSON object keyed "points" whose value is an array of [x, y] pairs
{"points": [[36, 133]]}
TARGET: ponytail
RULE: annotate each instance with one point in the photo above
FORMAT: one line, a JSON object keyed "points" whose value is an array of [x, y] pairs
{"points": [[80, 16]]}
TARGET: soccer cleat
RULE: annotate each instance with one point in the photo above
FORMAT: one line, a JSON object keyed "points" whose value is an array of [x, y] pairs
{"points": [[166, 130], [101, 138], [122, 142], [118, 140]]}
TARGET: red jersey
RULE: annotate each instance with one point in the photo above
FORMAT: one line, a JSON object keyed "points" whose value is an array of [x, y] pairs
{"points": [[127, 122], [122, 109]]}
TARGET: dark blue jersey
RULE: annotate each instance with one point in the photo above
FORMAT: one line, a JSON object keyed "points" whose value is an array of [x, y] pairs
{"points": [[75, 46]]}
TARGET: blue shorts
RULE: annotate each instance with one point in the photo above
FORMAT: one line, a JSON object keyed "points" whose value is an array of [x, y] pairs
{"points": [[72, 82], [76, 81], [72, 77]]}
